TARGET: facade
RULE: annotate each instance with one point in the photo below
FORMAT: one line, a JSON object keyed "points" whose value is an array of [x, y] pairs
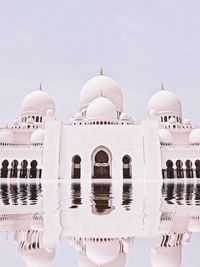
{"points": [[101, 140]]}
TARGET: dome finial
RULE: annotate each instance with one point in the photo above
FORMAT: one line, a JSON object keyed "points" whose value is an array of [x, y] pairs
{"points": [[162, 86], [40, 88], [101, 70]]}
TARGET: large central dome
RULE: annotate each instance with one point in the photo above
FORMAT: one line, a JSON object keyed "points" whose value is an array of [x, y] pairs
{"points": [[101, 86]]}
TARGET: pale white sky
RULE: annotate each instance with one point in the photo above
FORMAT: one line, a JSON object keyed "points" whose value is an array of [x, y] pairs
{"points": [[139, 42]]}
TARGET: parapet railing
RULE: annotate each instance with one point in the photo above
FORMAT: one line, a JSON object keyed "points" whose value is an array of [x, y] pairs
{"points": [[6, 145]]}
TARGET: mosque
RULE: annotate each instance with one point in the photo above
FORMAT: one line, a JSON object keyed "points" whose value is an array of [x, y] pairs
{"points": [[101, 141]]}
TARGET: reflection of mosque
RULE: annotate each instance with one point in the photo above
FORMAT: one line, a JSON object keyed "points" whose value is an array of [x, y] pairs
{"points": [[115, 214], [101, 140]]}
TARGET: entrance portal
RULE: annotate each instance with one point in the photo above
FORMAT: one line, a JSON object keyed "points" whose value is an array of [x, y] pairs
{"points": [[101, 165]]}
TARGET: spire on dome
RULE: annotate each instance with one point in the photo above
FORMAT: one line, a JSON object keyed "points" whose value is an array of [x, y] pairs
{"points": [[40, 88], [101, 70], [162, 86]]}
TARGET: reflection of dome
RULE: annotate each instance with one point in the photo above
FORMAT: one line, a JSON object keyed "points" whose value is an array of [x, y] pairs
{"points": [[166, 257], [194, 227], [164, 101], [165, 137], [7, 136], [38, 257], [194, 137], [37, 136], [103, 252], [101, 108], [37, 101], [98, 86]]}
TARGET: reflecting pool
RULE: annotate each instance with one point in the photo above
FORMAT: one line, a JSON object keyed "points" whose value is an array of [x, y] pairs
{"points": [[102, 223]]}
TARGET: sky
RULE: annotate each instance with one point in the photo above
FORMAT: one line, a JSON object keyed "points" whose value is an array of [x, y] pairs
{"points": [[139, 43]]}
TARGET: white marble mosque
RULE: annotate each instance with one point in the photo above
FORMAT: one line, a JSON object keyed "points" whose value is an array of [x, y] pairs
{"points": [[101, 140]]}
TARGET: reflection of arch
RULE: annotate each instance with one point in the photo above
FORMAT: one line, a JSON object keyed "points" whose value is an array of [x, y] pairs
{"points": [[23, 169], [76, 196], [197, 164], [179, 169], [33, 169], [4, 169], [170, 169], [76, 167], [127, 172], [101, 163], [101, 199], [189, 170], [14, 169]]}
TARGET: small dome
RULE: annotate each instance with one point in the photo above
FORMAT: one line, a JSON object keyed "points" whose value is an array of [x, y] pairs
{"points": [[30, 120], [124, 116], [7, 136], [102, 253], [37, 136], [101, 86], [37, 101], [78, 116], [194, 137], [50, 113], [164, 101], [15, 122], [165, 137], [172, 120], [101, 109], [186, 122], [38, 257], [70, 121], [152, 112]]}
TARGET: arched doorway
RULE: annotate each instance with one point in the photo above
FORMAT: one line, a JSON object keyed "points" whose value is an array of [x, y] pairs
{"points": [[23, 169], [76, 167], [170, 169], [4, 169], [126, 167], [189, 169], [14, 169], [197, 164], [33, 169], [179, 169], [101, 165]]}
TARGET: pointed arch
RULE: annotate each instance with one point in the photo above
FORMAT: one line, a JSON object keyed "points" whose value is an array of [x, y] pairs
{"points": [[101, 163], [189, 169], [4, 169], [76, 167], [14, 169], [127, 170]]}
